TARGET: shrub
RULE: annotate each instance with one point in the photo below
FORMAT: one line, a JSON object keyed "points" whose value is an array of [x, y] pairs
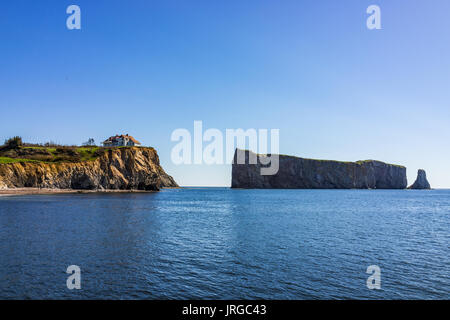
{"points": [[52, 144], [13, 142]]}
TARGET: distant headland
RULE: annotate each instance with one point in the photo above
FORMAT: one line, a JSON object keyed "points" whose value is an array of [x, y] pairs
{"points": [[301, 173]]}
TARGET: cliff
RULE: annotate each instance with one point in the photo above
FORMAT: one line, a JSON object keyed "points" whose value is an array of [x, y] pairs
{"points": [[421, 182], [130, 168], [300, 173]]}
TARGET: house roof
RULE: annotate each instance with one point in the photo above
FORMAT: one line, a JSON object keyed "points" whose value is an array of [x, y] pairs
{"points": [[133, 139], [116, 137]]}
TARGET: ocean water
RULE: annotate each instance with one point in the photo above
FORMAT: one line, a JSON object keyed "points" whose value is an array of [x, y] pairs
{"points": [[218, 243]]}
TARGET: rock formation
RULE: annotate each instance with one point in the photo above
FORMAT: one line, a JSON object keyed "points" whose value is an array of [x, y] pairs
{"points": [[421, 182], [300, 173], [131, 168]]}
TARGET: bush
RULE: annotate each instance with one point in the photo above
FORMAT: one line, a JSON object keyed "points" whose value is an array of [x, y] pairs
{"points": [[51, 144], [14, 142]]}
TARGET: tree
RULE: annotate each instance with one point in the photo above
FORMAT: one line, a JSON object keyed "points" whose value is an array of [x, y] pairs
{"points": [[90, 142], [13, 142]]}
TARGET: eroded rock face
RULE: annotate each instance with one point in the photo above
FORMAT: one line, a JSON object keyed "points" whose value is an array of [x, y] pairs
{"points": [[300, 173], [421, 182], [118, 169]]}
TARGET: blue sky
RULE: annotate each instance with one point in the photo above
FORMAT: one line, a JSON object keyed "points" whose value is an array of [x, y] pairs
{"points": [[312, 69]]}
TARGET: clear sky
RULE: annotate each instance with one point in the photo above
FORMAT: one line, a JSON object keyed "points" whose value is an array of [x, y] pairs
{"points": [[312, 69]]}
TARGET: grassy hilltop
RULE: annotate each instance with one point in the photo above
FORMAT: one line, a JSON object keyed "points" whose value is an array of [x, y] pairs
{"points": [[87, 167], [15, 151]]}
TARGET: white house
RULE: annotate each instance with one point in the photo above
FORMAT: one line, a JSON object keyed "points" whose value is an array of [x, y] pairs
{"points": [[121, 141]]}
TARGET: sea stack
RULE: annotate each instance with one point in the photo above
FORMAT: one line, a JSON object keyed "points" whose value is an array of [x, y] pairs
{"points": [[421, 181], [301, 173]]}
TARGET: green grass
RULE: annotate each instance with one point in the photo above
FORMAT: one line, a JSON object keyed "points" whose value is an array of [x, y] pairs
{"points": [[51, 150], [11, 160], [87, 154], [361, 162], [55, 154]]}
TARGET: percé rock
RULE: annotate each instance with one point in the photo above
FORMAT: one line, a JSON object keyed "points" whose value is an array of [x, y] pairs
{"points": [[130, 168], [421, 182], [300, 173]]}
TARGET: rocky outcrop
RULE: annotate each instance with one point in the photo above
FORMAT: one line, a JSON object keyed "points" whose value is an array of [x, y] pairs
{"points": [[421, 182], [300, 173], [131, 168]]}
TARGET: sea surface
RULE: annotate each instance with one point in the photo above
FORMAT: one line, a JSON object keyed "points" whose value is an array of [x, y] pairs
{"points": [[218, 243]]}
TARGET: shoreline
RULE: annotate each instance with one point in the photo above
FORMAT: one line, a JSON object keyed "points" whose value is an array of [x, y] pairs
{"points": [[48, 191]]}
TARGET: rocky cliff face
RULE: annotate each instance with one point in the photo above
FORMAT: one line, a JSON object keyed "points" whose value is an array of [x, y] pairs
{"points": [[300, 173], [421, 182], [117, 169]]}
